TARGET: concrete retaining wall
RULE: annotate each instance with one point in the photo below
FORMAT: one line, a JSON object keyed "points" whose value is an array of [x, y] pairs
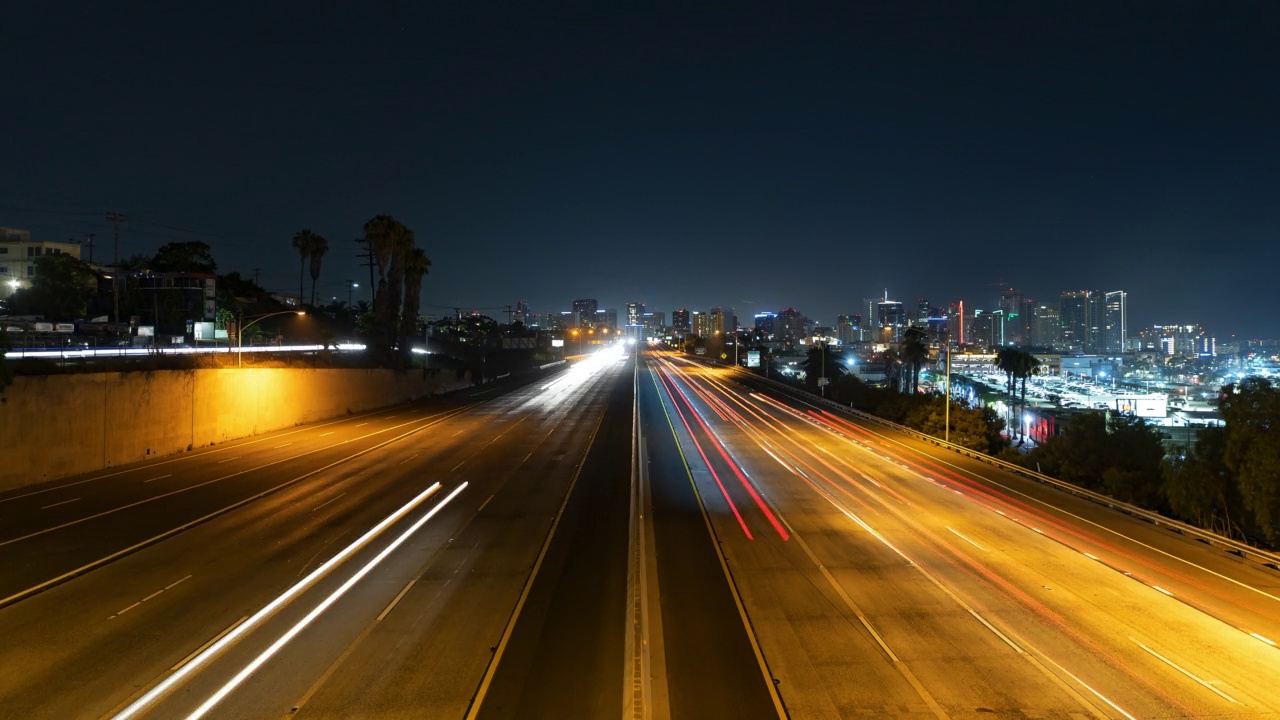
{"points": [[60, 425]]}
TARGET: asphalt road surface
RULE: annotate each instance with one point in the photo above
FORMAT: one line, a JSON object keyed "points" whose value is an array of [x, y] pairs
{"points": [[634, 537]]}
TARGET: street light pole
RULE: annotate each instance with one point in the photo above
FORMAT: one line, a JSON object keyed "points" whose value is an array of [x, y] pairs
{"points": [[946, 432], [240, 328]]}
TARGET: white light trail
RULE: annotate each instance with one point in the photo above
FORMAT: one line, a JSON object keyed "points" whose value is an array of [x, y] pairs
{"points": [[284, 639], [213, 650]]}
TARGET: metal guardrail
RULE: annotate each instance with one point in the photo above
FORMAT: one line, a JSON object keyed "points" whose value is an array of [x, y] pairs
{"points": [[1234, 547]]}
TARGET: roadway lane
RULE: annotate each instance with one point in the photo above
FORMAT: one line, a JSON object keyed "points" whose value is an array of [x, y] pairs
{"points": [[1241, 593], [1058, 629], [565, 654], [712, 668], [85, 646]]}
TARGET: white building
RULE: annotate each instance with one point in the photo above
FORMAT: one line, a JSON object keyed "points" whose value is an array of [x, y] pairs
{"points": [[18, 253]]}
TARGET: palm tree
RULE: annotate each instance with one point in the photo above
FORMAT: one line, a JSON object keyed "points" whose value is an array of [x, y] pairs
{"points": [[915, 351], [1028, 365], [388, 239], [1008, 361], [415, 264], [892, 369], [319, 246], [303, 242]]}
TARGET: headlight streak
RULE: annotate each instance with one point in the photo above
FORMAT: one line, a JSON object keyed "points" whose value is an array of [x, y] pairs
{"points": [[270, 608], [333, 597]]}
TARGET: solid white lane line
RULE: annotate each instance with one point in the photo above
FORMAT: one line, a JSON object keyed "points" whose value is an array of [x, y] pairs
{"points": [[396, 600], [228, 460], [207, 643], [270, 608], [280, 446], [362, 424], [483, 504], [1089, 687], [64, 502], [962, 537], [455, 467], [1265, 640], [158, 478], [1180, 669], [284, 639], [323, 434], [326, 502]]}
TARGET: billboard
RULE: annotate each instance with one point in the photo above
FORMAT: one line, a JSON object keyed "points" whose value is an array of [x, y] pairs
{"points": [[753, 358], [557, 342]]}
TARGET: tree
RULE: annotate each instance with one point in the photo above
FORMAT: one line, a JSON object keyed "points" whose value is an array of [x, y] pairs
{"points": [[1200, 489], [1028, 365], [389, 241], [319, 247], [60, 289], [821, 362], [1008, 361], [303, 241], [1251, 410], [893, 369], [416, 263], [915, 351], [192, 256]]}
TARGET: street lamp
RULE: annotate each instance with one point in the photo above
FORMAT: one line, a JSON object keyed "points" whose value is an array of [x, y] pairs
{"points": [[240, 328], [351, 285]]}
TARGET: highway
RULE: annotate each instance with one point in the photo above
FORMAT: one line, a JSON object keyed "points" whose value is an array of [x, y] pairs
{"points": [[636, 536], [883, 576]]}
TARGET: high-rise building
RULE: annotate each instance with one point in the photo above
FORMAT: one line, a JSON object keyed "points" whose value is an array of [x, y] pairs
{"points": [[870, 320], [1013, 304], [720, 320], [789, 325], [654, 321], [680, 323], [1046, 326], [522, 314], [585, 309], [922, 312], [1082, 320], [707, 325], [766, 323], [980, 332], [848, 329], [892, 319], [635, 313], [1116, 332], [955, 324]]}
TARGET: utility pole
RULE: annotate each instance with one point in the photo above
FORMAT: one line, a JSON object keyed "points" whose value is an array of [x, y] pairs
{"points": [[115, 219], [367, 256], [257, 273], [89, 241]]}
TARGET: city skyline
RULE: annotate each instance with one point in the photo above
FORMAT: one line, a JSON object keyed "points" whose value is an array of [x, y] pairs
{"points": [[765, 157]]}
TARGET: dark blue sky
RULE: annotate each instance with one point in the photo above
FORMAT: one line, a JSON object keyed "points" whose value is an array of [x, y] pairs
{"points": [[746, 154]]}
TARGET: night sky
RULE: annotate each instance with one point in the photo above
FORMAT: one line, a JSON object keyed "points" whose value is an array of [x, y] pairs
{"points": [[743, 154]]}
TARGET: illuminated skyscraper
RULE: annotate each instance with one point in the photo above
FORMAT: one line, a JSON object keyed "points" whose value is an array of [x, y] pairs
{"points": [[1116, 332]]}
